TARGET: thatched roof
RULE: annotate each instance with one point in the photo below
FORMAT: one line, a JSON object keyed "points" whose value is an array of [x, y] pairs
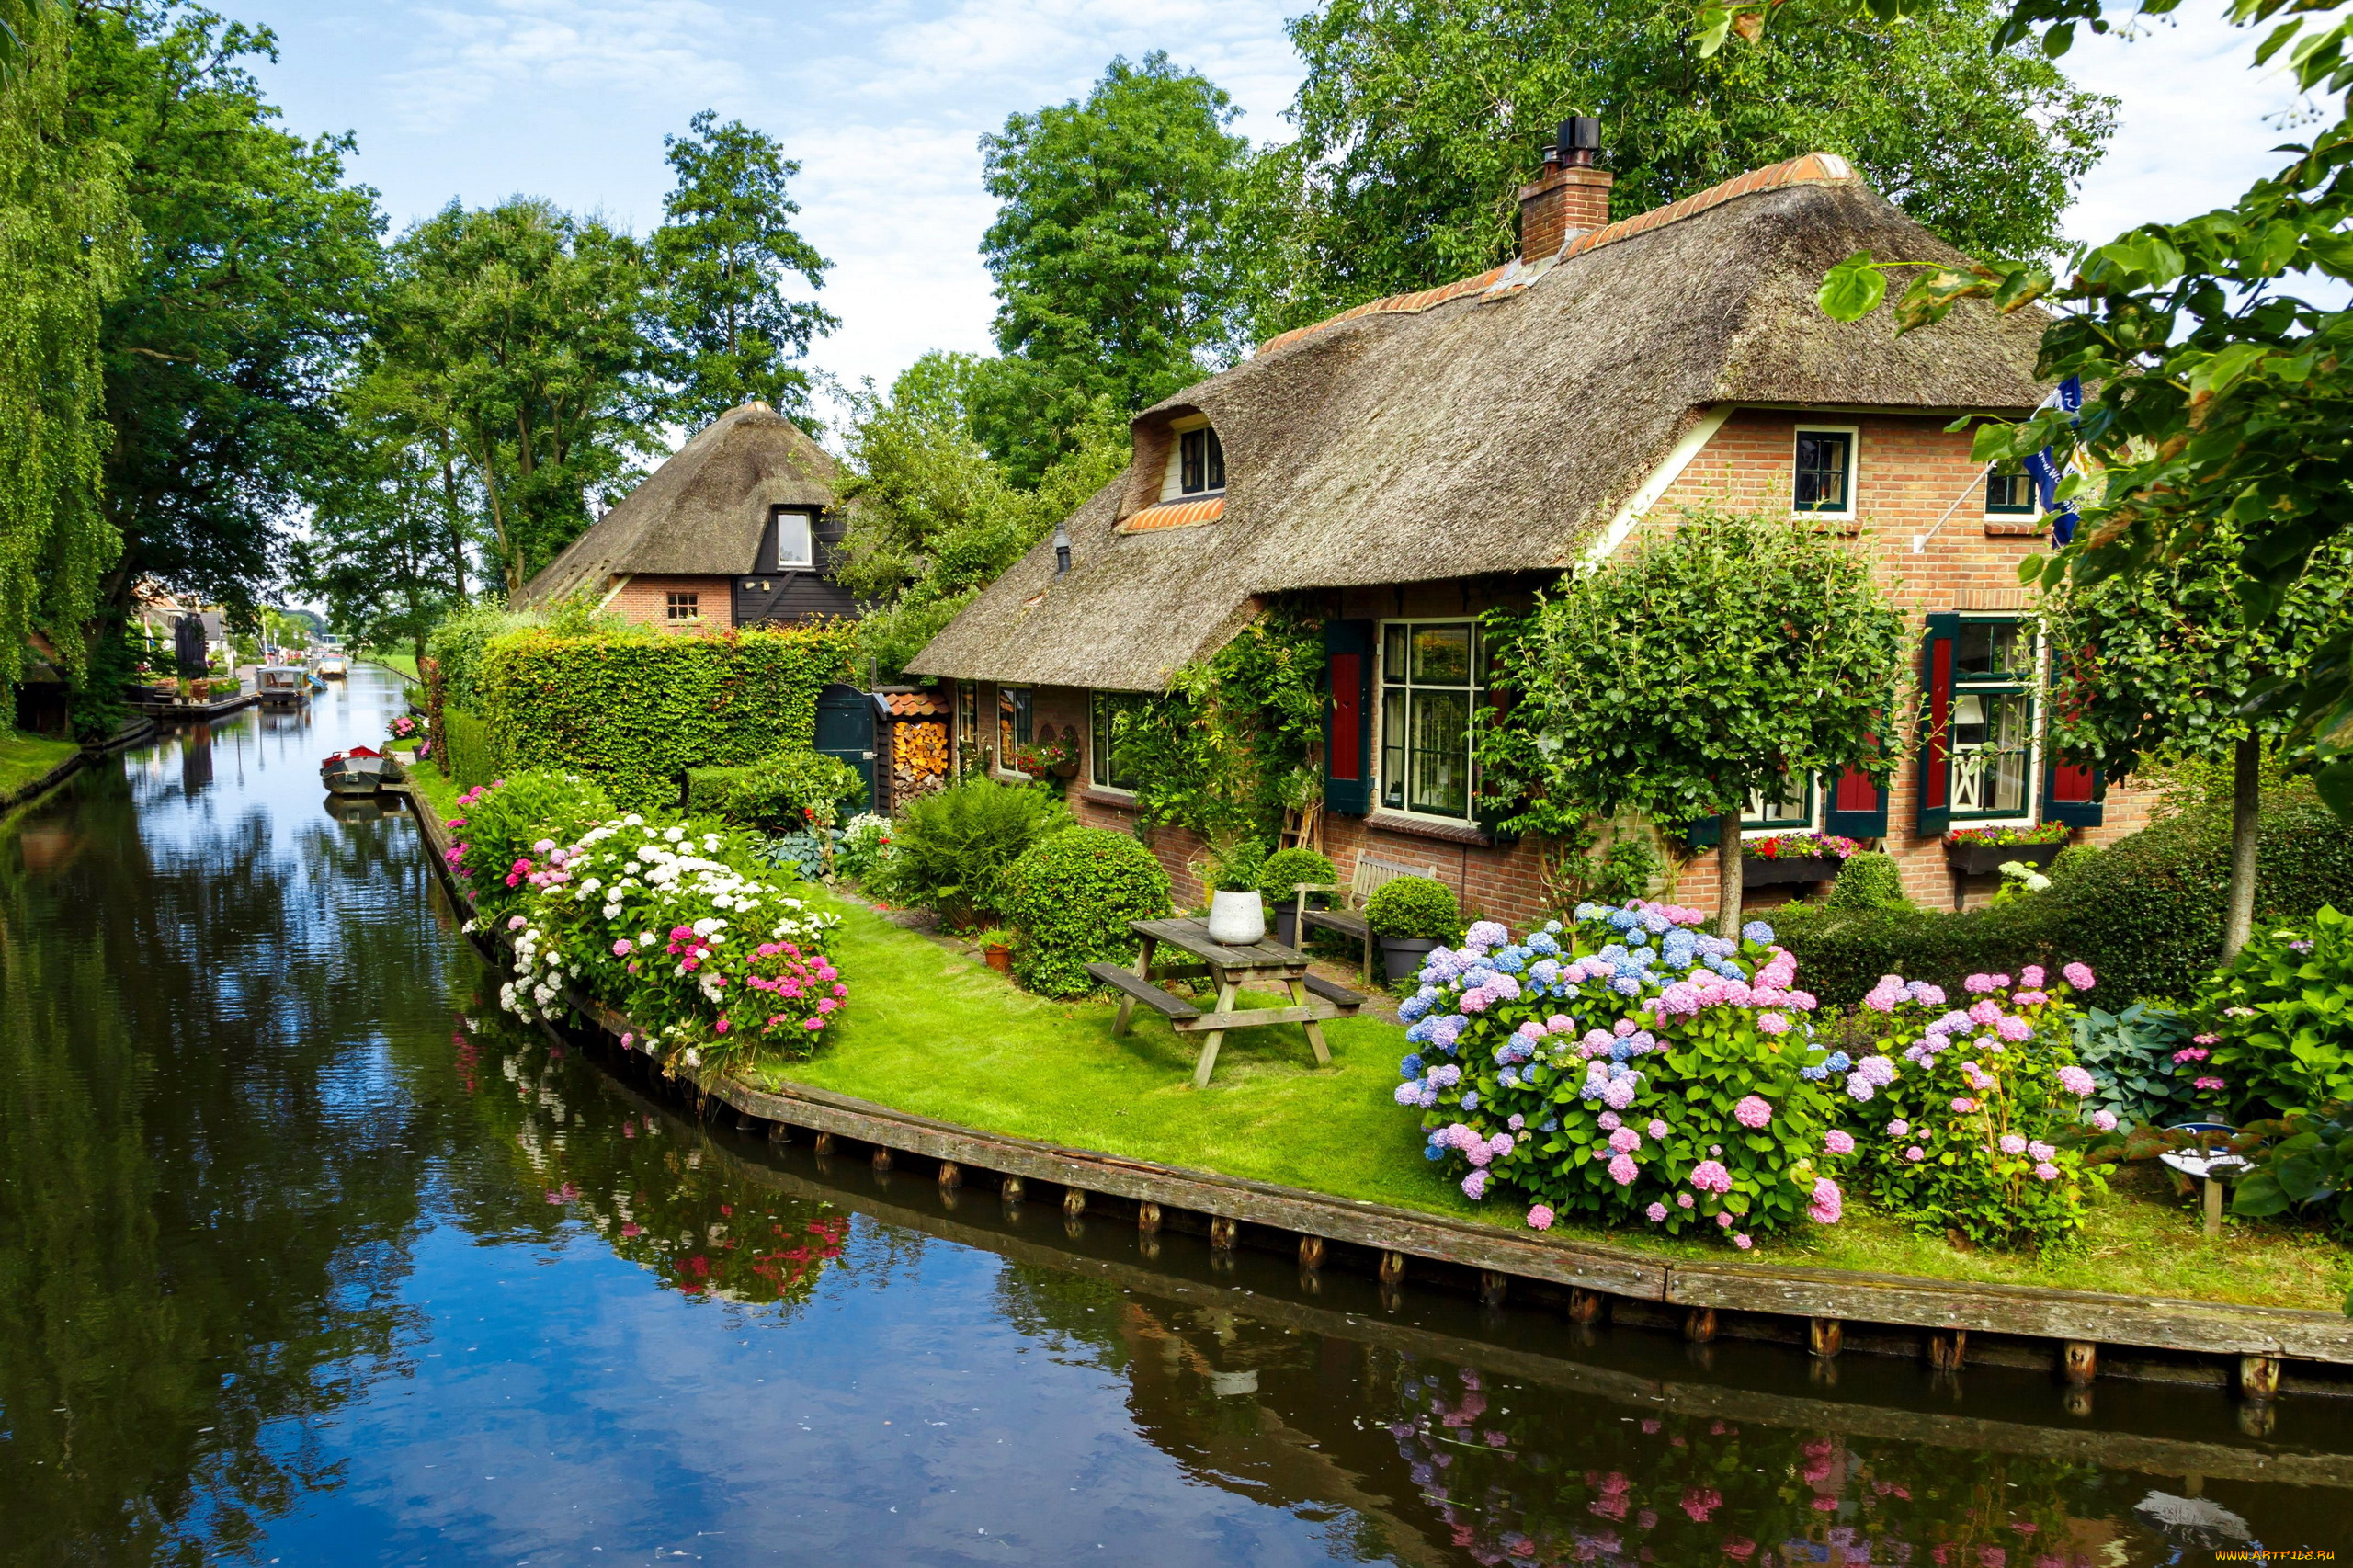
{"points": [[1490, 428], [703, 511]]}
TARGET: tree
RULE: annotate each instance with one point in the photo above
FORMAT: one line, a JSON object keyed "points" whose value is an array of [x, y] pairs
{"points": [[1109, 251], [65, 231], [1418, 121], [376, 544], [240, 311], [724, 259], [1736, 655], [2164, 663], [514, 340]]}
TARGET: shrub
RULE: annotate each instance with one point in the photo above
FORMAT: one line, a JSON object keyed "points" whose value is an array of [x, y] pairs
{"points": [[1629, 1070], [1869, 879], [1278, 880], [2283, 1014], [801, 855], [1844, 951], [776, 792], [1073, 896], [1233, 865], [501, 822], [2143, 1064], [463, 748], [456, 643], [639, 711], [1975, 1131], [1418, 907], [864, 845], [952, 849], [2310, 1161]]}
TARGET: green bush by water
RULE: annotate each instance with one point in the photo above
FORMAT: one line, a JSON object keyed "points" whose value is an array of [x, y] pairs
{"points": [[1073, 896]]}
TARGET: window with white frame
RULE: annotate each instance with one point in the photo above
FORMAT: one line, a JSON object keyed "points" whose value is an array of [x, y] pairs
{"points": [[2010, 495], [1196, 468], [1993, 719], [1789, 807], [1013, 721], [1823, 471], [1103, 769], [1432, 673], [796, 541], [967, 719]]}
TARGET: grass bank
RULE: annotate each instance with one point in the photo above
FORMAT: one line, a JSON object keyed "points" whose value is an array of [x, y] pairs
{"points": [[400, 663], [25, 759]]}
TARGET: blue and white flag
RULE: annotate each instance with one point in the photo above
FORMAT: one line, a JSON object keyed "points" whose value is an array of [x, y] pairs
{"points": [[2044, 469]]}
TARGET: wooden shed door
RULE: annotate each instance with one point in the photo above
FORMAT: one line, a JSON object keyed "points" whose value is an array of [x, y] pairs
{"points": [[845, 729]]}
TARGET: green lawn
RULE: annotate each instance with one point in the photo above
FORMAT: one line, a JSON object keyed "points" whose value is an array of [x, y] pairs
{"points": [[405, 663], [24, 758]]}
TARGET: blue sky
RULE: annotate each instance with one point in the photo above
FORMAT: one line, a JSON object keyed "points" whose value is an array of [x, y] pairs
{"points": [[479, 99]]}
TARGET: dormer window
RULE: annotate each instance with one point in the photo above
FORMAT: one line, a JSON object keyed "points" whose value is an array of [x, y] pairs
{"points": [[793, 541], [1196, 462]]}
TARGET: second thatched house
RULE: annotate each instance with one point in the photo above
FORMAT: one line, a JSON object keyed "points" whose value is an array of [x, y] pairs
{"points": [[1421, 459], [739, 529]]}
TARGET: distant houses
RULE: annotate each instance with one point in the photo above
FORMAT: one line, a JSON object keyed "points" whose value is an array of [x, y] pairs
{"points": [[740, 529], [1422, 458]]}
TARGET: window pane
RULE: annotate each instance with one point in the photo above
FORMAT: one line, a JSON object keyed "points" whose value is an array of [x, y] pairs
{"points": [[1821, 473], [1442, 655], [2010, 495], [1098, 741], [1439, 779], [1991, 649], [1991, 734], [794, 546], [1392, 747], [1216, 461], [1393, 656], [1192, 461], [1789, 805]]}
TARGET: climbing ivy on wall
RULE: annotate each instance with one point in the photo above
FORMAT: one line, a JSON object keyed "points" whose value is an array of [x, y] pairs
{"points": [[636, 711]]}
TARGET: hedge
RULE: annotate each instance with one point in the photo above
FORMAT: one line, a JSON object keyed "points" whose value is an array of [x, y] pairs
{"points": [[638, 711], [464, 748], [1073, 896], [2147, 913], [771, 793]]}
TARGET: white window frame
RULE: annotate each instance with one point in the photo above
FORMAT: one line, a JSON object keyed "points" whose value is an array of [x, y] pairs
{"points": [[1854, 468], [1986, 489], [1811, 823], [2032, 683], [1098, 748], [1172, 474], [1378, 718], [1002, 763], [775, 537]]}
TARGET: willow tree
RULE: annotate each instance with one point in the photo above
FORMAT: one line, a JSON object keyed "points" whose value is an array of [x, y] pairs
{"points": [[1733, 656], [65, 233]]}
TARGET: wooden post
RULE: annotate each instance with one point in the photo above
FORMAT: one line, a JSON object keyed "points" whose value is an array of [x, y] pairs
{"points": [[882, 1159], [1492, 1285], [951, 1174], [1699, 1326], [779, 1132], [2258, 1377], [1948, 1348], [1392, 1268], [824, 1142], [1311, 1252], [1012, 1189], [1223, 1233], [2076, 1401], [1074, 1202], [2258, 1417], [1587, 1306], [1826, 1337], [2214, 1210], [1147, 1216], [2079, 1361]]}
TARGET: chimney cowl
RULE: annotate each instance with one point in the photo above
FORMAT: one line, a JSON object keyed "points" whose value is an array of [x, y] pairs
{"points": [[1062, 550], [1568, 196], [1576, 142]]}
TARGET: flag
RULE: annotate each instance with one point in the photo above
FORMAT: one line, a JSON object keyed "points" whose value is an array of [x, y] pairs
{"points": [[2043, 468]]}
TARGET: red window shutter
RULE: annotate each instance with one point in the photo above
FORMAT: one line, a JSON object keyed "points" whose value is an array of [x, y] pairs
{"points": [[1936, 738], [1347, 731], [1348, 718]]}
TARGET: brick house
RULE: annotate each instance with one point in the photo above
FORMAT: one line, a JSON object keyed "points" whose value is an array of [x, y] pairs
{"points": [[738, 528], [1419, 459]]}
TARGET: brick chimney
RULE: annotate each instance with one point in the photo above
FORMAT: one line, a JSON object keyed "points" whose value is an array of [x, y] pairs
{"points": [[1568, 196]]}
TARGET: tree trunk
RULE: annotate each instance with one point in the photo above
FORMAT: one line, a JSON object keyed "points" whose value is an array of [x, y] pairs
{"points": [[2247, 811], [1728, 888]]}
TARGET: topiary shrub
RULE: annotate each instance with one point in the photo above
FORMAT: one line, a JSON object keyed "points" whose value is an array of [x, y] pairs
{"points": [[1073, 896], [1279, 878], [776, 792], [953, 848], [1421, 908], [1868, 880]]}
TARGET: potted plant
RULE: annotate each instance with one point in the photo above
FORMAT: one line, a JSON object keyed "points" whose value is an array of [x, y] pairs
{"points": [[1278, 884], [1981, 851], [1047, 756], [1783, 857], [1231, 869], [1410, 916], [996, 949]]}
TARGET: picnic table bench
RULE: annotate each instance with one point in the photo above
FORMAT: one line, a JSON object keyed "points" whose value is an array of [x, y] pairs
{"points": [[1312, 999]]}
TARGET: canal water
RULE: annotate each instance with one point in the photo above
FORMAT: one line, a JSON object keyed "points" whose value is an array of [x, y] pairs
{"points": [[306, 1259]]}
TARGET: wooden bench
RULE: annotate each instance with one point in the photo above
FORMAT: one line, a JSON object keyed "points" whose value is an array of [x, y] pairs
{"points": [[1372, 874], [1339, 995], [1128, 983]]}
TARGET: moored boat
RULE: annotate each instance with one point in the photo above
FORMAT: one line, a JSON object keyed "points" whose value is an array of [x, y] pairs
{"points": [[333, 667], [283, 685], [362, 771]]}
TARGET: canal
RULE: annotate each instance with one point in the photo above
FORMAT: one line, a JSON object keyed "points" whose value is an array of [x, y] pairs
{"points": [[306, 1258]]}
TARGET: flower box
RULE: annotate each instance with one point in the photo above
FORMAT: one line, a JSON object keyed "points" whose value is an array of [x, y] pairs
{"points": [[1756, 873], [1988, 859]]}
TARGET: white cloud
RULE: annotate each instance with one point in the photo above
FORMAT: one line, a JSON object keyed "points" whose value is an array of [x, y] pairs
{"points": [[504, 49]]}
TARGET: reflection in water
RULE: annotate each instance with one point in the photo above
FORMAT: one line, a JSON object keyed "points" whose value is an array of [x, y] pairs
{"points": [[308, 1257]]}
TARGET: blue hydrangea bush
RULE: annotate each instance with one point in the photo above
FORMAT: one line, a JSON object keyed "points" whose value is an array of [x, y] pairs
{"points": [[1628, 1069]]}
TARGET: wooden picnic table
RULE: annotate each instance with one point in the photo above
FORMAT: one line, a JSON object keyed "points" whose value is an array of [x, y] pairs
{"points": [[1312, 999]]}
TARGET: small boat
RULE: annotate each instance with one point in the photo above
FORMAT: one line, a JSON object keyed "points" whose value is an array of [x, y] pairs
{"points": [[333, 667], [283, 685], [362, 771]]}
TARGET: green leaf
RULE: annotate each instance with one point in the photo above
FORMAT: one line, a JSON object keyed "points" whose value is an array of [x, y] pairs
{"points": [[1853, 288]]}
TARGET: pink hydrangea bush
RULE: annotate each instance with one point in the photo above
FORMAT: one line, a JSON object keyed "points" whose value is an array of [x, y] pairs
{"points": [[1983, 1131], [1632, 1071]]}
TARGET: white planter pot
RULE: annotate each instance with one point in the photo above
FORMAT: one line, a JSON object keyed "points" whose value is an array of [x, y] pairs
{"points": [[1237, 919]]}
